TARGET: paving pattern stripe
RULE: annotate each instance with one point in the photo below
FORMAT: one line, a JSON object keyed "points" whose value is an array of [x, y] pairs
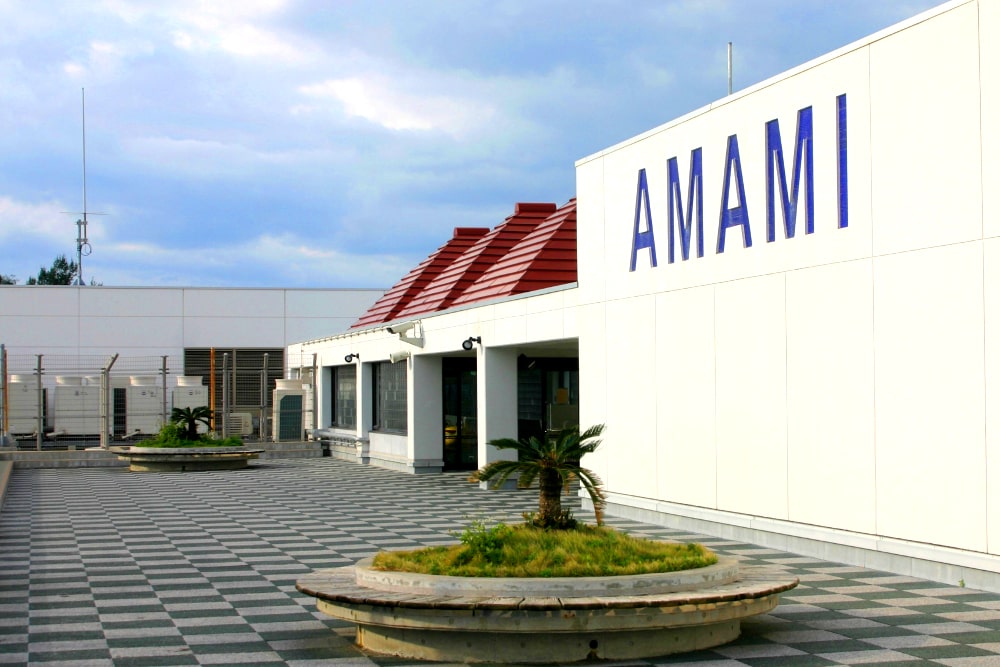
{"points": [[199, 569]]}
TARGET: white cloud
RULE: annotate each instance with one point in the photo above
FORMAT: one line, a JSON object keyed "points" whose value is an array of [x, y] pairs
{"points": [[278, 260], [44, 220], [379, 101], [106, 59]]}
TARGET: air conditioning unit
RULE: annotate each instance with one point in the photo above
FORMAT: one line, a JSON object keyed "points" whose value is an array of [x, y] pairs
{"points": [[145, 406], [239, 423], [288, 411], [77, 407], [22, 405]]}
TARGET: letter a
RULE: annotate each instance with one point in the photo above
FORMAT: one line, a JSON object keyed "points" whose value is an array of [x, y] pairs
{"points": [[643, 239], [738, 215]]}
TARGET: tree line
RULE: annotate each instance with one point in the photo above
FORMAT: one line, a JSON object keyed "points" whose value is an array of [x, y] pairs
{"points": [[62, 272]]}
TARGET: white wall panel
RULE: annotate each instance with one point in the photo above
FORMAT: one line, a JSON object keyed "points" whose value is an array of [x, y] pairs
{"points": [[684, 384], [590, 230], [40, 300], [751, 427], [234, 331], [153, 332], [831, 396], [342, 302], [991, 282], [593, 347], [311, 328], [233, 302], [632, 415], [926, 150], [989, 81], [30, 332], [130, 301], [930, 395]]}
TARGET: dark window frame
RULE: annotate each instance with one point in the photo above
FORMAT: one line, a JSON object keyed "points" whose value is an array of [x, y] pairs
{"points": [[345, 412], [389, 397]]}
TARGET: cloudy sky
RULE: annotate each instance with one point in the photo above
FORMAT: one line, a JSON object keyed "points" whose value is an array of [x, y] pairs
{"points": [[336, 143]]}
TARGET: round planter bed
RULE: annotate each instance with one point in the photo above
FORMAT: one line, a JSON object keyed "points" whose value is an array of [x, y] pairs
{"points": [[181, 459], [545, 620]]}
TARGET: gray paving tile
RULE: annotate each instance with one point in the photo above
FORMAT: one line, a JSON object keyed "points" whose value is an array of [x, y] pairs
{"points": [[163, 569]]}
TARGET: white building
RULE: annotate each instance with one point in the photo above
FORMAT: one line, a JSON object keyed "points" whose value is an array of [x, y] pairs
{"points": [[75, 331], [787, 314]]}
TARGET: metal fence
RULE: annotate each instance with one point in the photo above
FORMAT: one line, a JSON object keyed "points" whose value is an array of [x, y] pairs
{"points": [[67, 401]]}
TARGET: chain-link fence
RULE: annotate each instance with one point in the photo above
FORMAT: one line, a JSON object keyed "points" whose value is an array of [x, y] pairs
{"points": [[68, 401]]}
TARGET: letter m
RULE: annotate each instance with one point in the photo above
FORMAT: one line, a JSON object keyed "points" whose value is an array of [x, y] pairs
{"points": [[695, 208], [776, 165]]}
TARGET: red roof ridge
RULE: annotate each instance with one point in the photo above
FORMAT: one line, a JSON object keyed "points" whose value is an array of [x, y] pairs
{"points": [[450, 283], [387, 308], [532, 249]]}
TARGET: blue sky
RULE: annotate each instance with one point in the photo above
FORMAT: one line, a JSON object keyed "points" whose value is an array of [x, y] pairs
{"points": [[336, 143]]}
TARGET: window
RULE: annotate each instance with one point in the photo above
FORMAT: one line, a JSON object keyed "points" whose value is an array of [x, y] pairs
{"points": [[345, 396], [389, 396]]}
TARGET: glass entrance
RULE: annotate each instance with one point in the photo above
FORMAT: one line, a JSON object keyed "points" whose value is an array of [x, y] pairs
{"points": [[461, 444], [548, 396]]}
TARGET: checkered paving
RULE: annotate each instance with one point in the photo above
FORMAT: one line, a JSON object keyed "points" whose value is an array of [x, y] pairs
{"points": [[105, 567]]}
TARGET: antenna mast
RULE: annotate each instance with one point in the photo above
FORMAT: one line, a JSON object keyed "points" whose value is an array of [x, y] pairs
{"points": [[83, 248], [729, 57]]}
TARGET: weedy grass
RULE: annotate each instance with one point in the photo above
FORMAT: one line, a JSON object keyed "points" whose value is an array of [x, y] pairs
{"points": [[527, 551], [172, 435]]}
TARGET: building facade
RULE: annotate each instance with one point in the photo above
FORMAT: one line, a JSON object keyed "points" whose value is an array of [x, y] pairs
{"points": [[786, 314], [58, 340]]}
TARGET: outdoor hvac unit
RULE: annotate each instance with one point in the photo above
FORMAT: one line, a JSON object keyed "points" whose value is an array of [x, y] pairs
{"points": [[22, 405], [190, 393], [288, 408], [239, 423], [144, 402], [77, 406]]}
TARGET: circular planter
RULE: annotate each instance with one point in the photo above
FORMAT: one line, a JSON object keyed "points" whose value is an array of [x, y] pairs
{"points": [[185, 459], [545, 620]]}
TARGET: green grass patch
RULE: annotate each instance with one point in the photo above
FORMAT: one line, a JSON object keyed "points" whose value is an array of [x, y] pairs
{"points": [[172, 435], [527, 551]]}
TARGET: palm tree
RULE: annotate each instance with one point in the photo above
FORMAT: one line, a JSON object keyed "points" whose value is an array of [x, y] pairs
{"points": [[191, 417], [555, 463]]}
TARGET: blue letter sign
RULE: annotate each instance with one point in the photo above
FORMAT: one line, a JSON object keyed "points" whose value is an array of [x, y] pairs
{"points": [[695, 209], [643, 239], [803, 162], [737, 216], [841, 161]]}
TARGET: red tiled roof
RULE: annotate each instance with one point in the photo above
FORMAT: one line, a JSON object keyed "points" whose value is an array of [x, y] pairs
{"points": [[392, 302], [532, 249], [544, 258], [488, 250]]}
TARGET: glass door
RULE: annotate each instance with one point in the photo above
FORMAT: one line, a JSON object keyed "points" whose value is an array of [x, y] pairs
{"points": [[461, 441]]}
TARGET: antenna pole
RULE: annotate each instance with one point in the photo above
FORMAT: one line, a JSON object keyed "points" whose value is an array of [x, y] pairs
{"points": [[81, 225], [730, 58]]}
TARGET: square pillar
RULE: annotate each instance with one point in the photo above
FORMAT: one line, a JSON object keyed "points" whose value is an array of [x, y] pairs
{"points": [[425, 414], [496, 385]]}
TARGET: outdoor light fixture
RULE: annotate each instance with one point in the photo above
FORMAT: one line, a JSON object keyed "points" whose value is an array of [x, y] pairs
{"points": [[467, 343], [351, 357]]}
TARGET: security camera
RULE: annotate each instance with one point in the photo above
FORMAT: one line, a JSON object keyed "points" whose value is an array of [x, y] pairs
{"points": [[398, 356], [467, 343], [401, 328], [351, 357]]}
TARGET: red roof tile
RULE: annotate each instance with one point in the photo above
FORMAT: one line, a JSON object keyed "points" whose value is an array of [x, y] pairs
{"points": [[392, 302], [533, 249], [449, 285], [544, 258]]}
